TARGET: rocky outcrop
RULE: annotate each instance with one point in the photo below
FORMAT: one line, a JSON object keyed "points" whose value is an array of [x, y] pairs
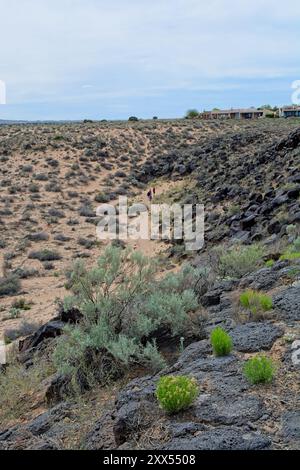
{"points": [[42, 433], [240, 170]]}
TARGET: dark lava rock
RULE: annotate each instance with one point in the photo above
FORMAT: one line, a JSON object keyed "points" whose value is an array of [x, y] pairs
{"points": [[221, 438], [228, 384], [213, 296], [228, 410], [287, 302], [101, 436], [58, 388], [279, 200], [241, 236], [44, 422], [274, 226], [138, 389], [260, 280], [248, 222], [185, 429], [291, 426], [49, 330], [252, 337], [72, 315], [295, 218], [294, 193], [43, 432], [201, 367], [131, 418]]}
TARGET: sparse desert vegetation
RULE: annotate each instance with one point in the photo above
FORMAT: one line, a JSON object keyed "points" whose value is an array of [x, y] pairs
{"points": [[161, 346]]}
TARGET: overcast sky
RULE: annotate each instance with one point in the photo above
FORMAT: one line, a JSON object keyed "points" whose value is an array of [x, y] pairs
{"points": [[74, 59]]}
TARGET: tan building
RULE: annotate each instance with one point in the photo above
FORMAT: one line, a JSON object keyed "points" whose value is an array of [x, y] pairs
{"points": [[289, 111], [248, 113]]}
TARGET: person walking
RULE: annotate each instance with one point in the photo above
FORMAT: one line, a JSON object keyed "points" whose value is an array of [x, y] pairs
{"points": [[149, 195]]}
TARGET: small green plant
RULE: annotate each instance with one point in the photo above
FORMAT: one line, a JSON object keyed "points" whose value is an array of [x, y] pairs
{"points": [[256, 302], [221, 342], [259, 369], [293, 251], [176, 393], [270, 263], [290, 256]]}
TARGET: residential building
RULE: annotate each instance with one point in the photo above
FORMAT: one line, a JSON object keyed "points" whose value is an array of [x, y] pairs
{"points": [[248, 113], [289, 111]]}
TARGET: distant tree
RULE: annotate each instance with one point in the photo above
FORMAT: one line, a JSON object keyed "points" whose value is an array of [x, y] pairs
{"points": [[192, 114], [265, 106], [155, 118], [88, 121], [133, 119]]}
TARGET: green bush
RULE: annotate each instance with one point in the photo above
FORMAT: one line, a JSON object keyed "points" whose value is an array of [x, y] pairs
{"points": [[221, 342], [238, 261], [192, 114], [123, 303], [290, 256], [269, 263], [259, 369], [256, 302], [176, 393]]}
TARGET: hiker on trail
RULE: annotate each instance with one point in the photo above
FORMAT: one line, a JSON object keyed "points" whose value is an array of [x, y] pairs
{"points": [[153, 190], [149, 195]]}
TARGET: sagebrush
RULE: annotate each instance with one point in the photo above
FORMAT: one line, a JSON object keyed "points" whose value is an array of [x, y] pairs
{"points": [[237, 261], [123, 303]]}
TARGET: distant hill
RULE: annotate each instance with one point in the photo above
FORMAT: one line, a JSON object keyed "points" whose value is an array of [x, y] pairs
{"points": [[6, 122]]}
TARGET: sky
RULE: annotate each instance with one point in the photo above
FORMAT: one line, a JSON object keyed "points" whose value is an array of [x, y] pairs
{"points": [[110, 59]]}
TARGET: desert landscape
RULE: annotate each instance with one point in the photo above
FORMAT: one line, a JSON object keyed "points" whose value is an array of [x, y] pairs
{"points": [[89, 341]]}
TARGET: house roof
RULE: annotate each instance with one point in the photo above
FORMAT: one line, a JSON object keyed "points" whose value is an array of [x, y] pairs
{"points": [[234, 111], [291, 108]]}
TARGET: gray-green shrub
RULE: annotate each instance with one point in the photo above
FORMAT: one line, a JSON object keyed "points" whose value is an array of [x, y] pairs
{"points": [[238, 260], [9, 285], [122, 304]]}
